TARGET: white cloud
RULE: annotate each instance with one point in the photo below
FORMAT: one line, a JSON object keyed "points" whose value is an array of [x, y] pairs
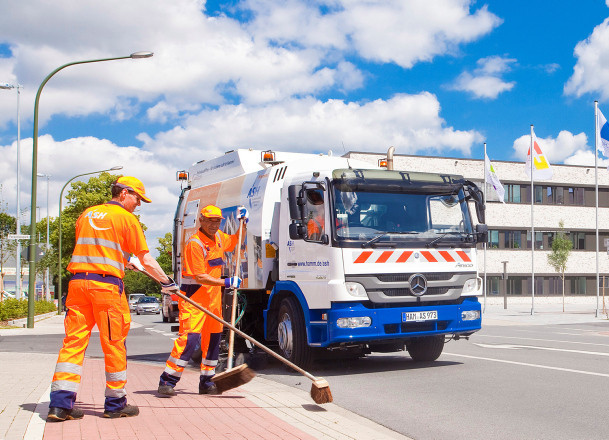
{"points": [[485, 81], [558, 150], [585, 157], [391, 31], [409, 122], [591, 72]]}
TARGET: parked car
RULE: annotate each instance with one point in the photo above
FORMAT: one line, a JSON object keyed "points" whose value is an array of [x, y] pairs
{"points": [[148, 304], [170, 308], [133, 298]]}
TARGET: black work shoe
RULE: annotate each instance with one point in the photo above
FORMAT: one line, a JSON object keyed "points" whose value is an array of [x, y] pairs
{"points": [[127, 411], [166, 391], [57, 414], [209, 389]]}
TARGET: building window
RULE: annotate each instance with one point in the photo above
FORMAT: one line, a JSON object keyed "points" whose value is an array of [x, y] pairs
{"points": [[514, 285], [493, 239], [538, 240], [492, 285], [579, 240], [554, 286], [513, 193], [538, 194], [578, 285], [513, 240]]}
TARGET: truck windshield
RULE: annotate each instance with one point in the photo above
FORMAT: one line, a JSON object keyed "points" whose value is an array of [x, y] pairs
{"points": [[381, 218]]}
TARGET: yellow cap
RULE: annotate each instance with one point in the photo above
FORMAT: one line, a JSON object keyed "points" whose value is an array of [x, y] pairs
{"points": [[133, 184], [211, 211]]}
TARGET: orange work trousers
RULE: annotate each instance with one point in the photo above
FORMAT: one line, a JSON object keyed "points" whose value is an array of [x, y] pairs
{"points": [[89, 303]]}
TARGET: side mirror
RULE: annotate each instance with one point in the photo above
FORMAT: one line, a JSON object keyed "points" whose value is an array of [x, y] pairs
{"points": [[296, 230], [295, 202], [482, 233]]}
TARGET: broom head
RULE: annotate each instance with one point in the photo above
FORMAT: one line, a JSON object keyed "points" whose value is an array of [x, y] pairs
{"points": [[320, 391], [233, 378]]}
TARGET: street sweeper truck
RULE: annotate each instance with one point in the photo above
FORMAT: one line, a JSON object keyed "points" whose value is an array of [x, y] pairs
{"points": [[341, 255]]}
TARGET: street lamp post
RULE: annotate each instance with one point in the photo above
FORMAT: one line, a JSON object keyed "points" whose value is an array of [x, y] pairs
{"points": [[46, 278], [18, 292], [32, 260], [59, 267]]}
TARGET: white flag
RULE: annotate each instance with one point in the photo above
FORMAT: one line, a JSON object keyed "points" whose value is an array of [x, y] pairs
{"points": [[491, 177], [603, 133], [541, 167]]}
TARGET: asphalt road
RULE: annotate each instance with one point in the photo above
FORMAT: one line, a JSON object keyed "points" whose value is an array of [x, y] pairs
{"points": [[506, 382]]}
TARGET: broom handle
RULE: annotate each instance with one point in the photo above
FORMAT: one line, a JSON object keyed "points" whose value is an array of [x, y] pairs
{"points": [[248, 337], [233, 313]]}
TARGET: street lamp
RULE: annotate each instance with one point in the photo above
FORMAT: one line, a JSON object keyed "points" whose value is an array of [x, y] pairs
{"points": [[18, 293], [46, 282], [59, 220], [32, 262]]}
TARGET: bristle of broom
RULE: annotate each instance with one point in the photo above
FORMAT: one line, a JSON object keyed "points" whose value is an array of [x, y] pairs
{"points": [[233, 378], [320, 391]]}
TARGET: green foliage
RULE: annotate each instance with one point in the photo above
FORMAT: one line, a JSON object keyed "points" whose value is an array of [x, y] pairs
{"points": [[561, 248], [18, 308]]}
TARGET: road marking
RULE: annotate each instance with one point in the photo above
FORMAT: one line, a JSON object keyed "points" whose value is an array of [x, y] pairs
{"points": [[511, 347], [544, 340], [155, 330], [524, 364]]}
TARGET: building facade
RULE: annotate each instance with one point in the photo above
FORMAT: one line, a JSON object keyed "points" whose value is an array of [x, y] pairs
{"points": [[569, 197]]}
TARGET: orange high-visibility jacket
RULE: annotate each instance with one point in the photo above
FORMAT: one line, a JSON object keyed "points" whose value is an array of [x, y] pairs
{"points": [[105, 237]]}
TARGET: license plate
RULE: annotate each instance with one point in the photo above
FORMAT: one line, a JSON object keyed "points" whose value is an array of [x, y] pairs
{"points": [[429, 315]]}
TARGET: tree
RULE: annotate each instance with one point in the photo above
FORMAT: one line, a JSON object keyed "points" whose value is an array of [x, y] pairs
{"points": [[8, 224], [561, 248]]}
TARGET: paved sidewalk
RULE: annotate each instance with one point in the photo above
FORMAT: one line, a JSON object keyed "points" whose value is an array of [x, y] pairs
{"points": [[261, 409]]}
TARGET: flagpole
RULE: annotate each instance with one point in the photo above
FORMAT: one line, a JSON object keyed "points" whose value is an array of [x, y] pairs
{"points": [[532, 232], [596, 193], [485, 243]]}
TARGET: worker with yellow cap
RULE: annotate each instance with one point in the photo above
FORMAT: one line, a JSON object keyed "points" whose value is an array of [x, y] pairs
{"points": [[203, 258], [106, 235]]}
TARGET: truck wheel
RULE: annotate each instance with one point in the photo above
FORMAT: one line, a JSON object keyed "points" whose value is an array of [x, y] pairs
{"points": [[165, 318], [292, 334], [171, 317], [425, 349]]}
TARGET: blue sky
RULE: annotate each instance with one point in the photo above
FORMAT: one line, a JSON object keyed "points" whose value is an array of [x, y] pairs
{"points": [[431, 77]]}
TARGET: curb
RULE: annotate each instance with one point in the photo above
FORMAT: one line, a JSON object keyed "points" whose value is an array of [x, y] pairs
{"points": [[23, 321]]}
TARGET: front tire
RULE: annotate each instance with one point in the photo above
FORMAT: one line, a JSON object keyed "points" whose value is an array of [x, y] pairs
{"points": [[292, 334], [425, 349]]}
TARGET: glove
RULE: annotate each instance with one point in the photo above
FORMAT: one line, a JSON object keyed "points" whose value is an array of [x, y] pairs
{"points": [[242, 213], [169, 287], [232, 282]]}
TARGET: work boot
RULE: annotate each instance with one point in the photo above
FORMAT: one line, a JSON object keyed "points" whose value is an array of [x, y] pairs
{"points": [[127, 411], [166, 391], [208, 389], [57, 414]]}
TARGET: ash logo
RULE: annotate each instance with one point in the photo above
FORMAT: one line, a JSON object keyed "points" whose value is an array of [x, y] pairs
{"points": [[96, 215]]}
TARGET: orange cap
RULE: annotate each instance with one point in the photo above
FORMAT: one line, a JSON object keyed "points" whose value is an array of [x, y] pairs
{"points": [[133, 184], [211, 211]]}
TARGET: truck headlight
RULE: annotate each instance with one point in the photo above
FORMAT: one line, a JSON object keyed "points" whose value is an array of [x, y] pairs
{"points": [[356, 289], [471, 286], [354, 322], [470, 315]]}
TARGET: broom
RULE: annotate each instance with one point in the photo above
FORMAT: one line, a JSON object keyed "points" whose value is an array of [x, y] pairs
{"points": [[234, 377]]}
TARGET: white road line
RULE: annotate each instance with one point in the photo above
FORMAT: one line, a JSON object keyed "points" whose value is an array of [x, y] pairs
{"points": [[169, 334], [535, 347], [524, 364], [543, 340]]}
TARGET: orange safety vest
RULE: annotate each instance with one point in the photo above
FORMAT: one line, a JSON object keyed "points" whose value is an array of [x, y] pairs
{"points": [[203, 255], [106, 235]]}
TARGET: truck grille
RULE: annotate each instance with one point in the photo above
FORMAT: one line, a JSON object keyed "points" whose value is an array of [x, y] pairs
{"points": [[401, 277], [415, 327], [407, 292]]}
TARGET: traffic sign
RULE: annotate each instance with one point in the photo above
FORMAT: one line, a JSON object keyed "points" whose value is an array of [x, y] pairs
{"points": [[18, 237]]}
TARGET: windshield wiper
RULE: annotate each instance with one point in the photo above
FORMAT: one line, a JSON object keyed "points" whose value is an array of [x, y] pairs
{"points": [[435, 240], [383, 233]]}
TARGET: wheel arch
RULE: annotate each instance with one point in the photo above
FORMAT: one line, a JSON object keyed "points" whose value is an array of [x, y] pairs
{"points": [[280, 291]]}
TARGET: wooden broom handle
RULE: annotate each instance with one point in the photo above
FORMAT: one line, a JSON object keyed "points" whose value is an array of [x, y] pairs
{"points": [[233, 313]]}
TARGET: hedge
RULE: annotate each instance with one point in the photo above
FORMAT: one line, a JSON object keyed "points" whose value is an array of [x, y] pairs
{"points": [[18, 308]]}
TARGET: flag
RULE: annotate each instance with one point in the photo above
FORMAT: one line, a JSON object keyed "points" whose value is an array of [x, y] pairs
{"points": [[491, 177], [603, 133], [541, 167]]}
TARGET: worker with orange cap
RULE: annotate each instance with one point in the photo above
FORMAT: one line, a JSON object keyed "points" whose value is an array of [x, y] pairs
{"points": [[105, 237], [203, 259]]}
